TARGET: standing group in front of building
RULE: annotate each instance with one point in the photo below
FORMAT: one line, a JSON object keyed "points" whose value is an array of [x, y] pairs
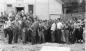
{"points": [[29, 29]]}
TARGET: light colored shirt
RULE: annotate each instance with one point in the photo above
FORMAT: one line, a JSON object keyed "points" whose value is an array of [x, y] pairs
{"points": [[76, 25], [53, 26], [20, 22], [8, 23], [59, 25]]}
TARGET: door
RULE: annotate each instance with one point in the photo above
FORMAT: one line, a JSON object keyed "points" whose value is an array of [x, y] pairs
{"points": [[30, 7], [18, 9]]}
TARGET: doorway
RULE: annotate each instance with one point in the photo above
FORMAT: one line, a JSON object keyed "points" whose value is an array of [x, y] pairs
{"points": [[18, 9], [30, 7]]}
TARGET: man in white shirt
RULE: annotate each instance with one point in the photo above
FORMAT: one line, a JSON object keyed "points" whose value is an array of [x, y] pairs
{"points": [[53, 28], [59, 26], [8, 31], [7, 23], [6, 26]]}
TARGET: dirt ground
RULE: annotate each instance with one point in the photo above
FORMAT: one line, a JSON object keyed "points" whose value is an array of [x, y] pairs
{"points": [[28, 47], [37, 47]]}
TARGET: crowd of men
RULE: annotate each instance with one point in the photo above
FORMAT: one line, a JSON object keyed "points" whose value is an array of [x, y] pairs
{"points": [[25, 28]]}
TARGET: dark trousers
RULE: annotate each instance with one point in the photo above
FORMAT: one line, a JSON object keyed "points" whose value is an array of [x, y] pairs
{"points": [[20, 34], [71, 34], [78, 34], [27, 36], [5, 32], [24, 35], [9, 32], [16, 35], [41, 37], [66, 35], [33, 37], [58, 36], [48, 35], [45, 35], [53, 36]]}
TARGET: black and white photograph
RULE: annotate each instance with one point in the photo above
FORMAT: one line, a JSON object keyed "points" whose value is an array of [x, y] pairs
{"points": [[42, 25]]}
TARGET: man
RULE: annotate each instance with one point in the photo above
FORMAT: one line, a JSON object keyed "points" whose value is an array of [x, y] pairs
{"points": [[78, 31], [28, 31], [41, 32], [65, 33], [48, 31], [34, 34], [24, 29], [71, 30], [59, 33], [3, 17], [16, 29], [53, 28], [20, 28], [8, 30]]}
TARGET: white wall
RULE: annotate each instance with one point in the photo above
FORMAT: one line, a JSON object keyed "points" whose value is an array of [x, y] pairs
{"points": [[1, 6], [42, 9], [29, 1], [55, 8]]}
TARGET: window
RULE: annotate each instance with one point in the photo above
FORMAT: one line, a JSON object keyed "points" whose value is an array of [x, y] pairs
{"points": [[9, 5]]}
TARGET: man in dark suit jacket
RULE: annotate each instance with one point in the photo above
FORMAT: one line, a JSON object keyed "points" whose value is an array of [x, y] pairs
{"points": [[34, 34]]}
